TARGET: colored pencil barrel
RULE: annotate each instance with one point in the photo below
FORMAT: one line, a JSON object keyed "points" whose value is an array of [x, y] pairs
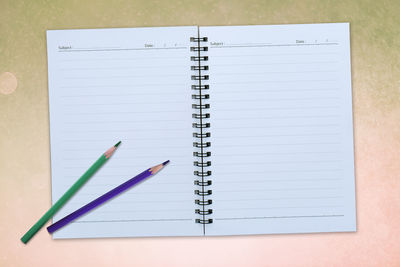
{"points": [[107, 196], [68, 194]]}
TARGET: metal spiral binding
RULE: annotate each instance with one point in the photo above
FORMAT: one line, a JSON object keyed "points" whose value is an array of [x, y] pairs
{"points": [[201, 125]]}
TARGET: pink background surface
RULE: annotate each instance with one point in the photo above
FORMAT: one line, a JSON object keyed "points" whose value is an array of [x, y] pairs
{"points": [[25, 191]]}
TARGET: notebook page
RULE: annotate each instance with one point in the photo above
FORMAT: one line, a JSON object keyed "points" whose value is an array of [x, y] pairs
{"points": [[132, 85], [281, 124]]}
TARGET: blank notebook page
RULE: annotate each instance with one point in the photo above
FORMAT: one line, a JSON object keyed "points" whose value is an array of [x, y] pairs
{"points": [[281, 124], [131, 85]]}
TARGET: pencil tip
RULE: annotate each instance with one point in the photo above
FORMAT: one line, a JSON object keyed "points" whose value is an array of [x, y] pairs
{"points": [[117, 144], [165, 163]]}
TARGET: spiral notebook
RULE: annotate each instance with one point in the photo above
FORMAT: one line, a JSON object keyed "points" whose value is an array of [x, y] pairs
{"points": [[256, 121]]}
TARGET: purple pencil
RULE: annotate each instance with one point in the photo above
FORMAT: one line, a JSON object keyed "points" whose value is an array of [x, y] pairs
{"points": [[107, 196]]}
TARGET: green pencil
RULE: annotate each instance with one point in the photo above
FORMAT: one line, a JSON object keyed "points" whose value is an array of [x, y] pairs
{"points": [[70, 192]]}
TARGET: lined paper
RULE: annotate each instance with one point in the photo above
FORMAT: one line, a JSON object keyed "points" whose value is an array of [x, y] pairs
{"points": [[131, 85], [281, 124]]}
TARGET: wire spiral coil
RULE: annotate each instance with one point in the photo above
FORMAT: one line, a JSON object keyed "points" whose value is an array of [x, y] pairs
{"points": [[201, 116]]}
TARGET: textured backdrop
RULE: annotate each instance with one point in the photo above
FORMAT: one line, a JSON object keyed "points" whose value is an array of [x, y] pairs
{"points": [[24, 135]]}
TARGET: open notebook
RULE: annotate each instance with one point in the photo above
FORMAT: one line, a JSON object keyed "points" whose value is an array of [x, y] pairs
{"points": [[256, 121]]}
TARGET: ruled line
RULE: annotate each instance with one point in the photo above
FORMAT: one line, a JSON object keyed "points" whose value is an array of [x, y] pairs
{"points": [[282, 153], [278, 117], [238, 64], [123, 112], [277, 108], [115, 165], [123, 68], [279, 171], [144, 193], [136, 85], [118, 94], [120, 130], [137, 201], [121, 76], [276, 54], [276, 72], [114, 174], [280, 135], [279, 217], [268, 99], [108, 122], [135, 138], [148, 184], [273, 45], [126, 148], [281, 189], [269, 81], [124, 103], [130, 157], [276, 162], [287, 207], [241, 91], [266, 181], [280, 198], [134, 220], [278, 126], [133, 211]]}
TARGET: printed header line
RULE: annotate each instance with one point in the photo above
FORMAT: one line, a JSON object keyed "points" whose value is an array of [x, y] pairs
{"points": [[269, 45], [119, 49]]}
